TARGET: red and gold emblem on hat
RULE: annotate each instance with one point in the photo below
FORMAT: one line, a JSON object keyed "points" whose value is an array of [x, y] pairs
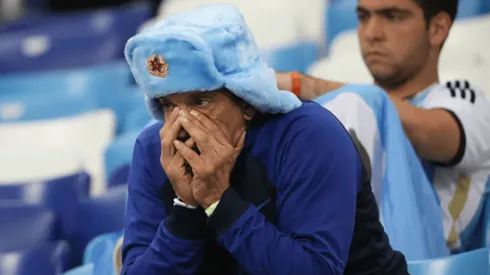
{"points": [[157, 66]]}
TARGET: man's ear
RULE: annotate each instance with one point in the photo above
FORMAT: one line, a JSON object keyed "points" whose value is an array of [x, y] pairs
{"points": [[248, 111], [439, 28]]}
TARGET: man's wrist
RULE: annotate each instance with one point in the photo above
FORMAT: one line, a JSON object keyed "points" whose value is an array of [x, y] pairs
{"points": [[179, 202], [187, 224], [283, 81], [229, 209], [295, 83]]}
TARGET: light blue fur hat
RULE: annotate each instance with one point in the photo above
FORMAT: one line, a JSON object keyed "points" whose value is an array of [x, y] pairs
{"points": [[204, 49]]}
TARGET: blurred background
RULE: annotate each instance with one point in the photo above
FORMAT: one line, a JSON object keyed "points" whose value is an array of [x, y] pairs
{"points": [[70, 110]]}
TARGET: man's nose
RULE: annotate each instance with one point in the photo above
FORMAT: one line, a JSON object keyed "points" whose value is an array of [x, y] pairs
{"points": [[374, 30]]}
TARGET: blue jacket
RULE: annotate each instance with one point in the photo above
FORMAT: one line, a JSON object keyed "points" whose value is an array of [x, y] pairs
{"points": [[312, 164]]}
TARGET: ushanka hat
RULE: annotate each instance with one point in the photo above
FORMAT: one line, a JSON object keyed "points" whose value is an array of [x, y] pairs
{"points": [[204, 49]]}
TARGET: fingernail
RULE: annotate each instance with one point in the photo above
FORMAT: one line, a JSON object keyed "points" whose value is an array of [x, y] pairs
{"points": [[176, 143], [182, 113], [176, 109], [183, 119], [194, 113]]}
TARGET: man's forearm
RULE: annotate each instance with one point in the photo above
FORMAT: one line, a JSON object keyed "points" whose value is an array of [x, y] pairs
{"points": [[310, 87], [176, 248], [433, 133]]}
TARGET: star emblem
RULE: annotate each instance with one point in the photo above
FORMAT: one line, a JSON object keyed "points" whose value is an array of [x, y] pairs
{"points": [[157, 66]]}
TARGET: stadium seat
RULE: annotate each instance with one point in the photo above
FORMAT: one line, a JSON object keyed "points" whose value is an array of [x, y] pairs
{"points": [[293, 58], [466, 37], [119, 154], [26, 107], [474, 262], [486, 221], [48, 95], [60, 42], [97, 246], [119, 176], [62, 196], [87, 269], [99, 215], [22, 52], [470, 8], [44, 259], [486, 7], [25, 226], [130, 108], [58, 191], [343, 68], [38, 150], [341, 16], [344, 42], [101, 20], [88, 82]]}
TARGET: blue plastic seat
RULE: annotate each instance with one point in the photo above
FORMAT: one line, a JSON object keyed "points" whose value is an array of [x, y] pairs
{"points": [[119, 153], [131, 110], [470, 8], [28, 107], [86, 269], [126, 19], [475, 262], [24, 226], [23, 53], [99, 215], [128, 104], [54, 192], [485, 6], [56, 94], [62, 42], [486, 222], [119, 176], [295, 57], [99, 245], [61, 195], [50, 258], [341, 16]]}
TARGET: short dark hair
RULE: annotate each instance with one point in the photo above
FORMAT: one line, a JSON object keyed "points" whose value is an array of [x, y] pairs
{"points": [[432, 7]]}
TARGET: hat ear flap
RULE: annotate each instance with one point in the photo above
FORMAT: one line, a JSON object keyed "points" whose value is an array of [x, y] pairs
{"points": [[154, 108]]}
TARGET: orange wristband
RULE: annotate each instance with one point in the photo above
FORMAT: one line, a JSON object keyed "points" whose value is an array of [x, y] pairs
{"points": [[295, 83]]}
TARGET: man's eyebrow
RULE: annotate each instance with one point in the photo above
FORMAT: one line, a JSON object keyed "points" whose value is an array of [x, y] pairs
{"points": [[163, 100], [201, 95], [384, 10], [361, 9]]}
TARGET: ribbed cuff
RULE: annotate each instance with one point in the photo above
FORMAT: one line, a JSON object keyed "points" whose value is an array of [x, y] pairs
{"points": [[187, 224], [230, 208]]}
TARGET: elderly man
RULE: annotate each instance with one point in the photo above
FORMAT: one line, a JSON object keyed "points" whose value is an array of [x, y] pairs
{"points": [[242, 178]]}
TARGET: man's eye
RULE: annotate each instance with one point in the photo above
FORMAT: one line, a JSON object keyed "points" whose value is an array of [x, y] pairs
{"points": [[394, 17], [202, 102], [362, 17], [166, 106]]}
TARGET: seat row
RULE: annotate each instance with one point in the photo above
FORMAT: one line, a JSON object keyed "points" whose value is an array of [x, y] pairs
{"points": [[39, 213]]}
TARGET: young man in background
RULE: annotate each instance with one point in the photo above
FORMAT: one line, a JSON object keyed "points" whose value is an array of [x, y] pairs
{"points": [[448, 124]]}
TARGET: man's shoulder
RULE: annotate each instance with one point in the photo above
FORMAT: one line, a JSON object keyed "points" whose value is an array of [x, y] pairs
{"points": [[310, 115], [150, 135], [310, 118], [458, 91]]}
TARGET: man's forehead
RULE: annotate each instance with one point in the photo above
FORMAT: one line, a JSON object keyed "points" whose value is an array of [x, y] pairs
{"points": [[186, 95], [377, 5]]}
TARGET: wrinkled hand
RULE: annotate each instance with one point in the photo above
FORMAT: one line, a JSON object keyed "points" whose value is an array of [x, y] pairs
{"points": [[213, 166], [172, 161]]}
